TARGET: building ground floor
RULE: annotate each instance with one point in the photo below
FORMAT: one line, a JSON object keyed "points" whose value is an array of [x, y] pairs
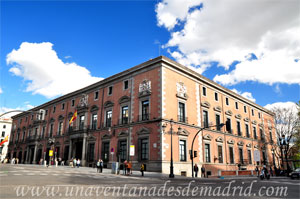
{"points": [[215, 151]]}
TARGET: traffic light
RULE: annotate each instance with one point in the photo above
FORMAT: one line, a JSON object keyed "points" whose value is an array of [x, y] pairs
{"points": [[195, 153]]}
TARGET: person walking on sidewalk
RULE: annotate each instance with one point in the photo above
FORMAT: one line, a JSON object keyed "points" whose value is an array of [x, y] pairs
{"points": [[98, 166], [257, 171], [78, 163], [74, 163], [125, 167], [101, 165], [129, 170], [142, 168], [196, 169], [202, 171]]}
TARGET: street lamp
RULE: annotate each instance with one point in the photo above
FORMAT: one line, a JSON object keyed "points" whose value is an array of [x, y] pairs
{"points": [[171, 175], [192, 148]]}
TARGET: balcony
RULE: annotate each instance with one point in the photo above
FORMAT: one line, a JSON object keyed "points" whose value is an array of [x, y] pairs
{"points": [[244, 162], [144, 117], [181, 118], [123, 121], [77, 129]]}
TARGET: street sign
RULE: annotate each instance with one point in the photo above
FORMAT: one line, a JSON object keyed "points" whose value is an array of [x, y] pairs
{"points": [[256, 155], [131, 150], [50, 152]]}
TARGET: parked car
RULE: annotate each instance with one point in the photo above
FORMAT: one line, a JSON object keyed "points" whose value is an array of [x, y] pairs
{"points": [[295, 174]]}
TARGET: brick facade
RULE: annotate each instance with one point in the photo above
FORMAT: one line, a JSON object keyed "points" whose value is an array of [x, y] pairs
{"points": [[131, 107]]}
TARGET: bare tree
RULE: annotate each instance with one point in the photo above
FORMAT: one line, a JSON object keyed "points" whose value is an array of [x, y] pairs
{"points": [[286, 125]]}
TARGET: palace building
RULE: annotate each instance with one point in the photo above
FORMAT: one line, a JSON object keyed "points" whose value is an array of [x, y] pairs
{"points": [[131, 116]]}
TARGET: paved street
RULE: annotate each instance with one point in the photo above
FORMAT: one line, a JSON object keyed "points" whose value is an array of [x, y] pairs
{"points": [[33, 181]]}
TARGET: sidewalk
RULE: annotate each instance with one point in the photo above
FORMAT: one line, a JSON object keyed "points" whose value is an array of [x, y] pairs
{"points": [[147, 174]]}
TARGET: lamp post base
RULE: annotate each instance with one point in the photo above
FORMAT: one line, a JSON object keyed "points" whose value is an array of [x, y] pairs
{"points": [[171, 175]]}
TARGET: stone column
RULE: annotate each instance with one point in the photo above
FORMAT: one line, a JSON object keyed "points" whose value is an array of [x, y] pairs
{"points": [[70, 150], [34, 154], [27, 155], [83, 150]]}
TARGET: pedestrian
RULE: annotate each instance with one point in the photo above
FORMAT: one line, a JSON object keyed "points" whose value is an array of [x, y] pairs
{"points": [[74, 162], [202, 171], [125, 167], [98, 166], [62, 163], [142, 168], [196, 169], [271, 171], [101, 165], [78, 163], [129, 170], [257, 171]]}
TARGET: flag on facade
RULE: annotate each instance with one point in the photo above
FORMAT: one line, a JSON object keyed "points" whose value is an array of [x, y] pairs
{"points": [[73, 117], [5, 140]]}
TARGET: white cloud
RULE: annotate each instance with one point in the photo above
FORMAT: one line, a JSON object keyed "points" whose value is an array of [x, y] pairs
{"points": [[246, 95], [45, 73], [24, 107], [1, 91], [225, 31], [282, 105]]}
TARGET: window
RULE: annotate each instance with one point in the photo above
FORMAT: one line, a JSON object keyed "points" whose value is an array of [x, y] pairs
{"points": [[4, 126], [108, 117], [46, 113], [125, 115], [43, 131], [54, 108], [3, 134], [60, 127], [51, 131], [81, 122], [247, 130], [110, 90], [231, 155], [261, 135], [31, 117], [220, 154], [145, 110], [254, 132], [207, 153], [227, 101], [96, 95], [204, 91], [144, 149], [218, 122], [249, 157], [126, 83], [182, 151], [228, 123], [94, 121], [23, 136], [181, 109], [73, 103], [259, 115], [205, 119], [27, 117], [236, 105], [238, 126], [271, 138], [241, 156], [245, 109], [252, 112], [216, 96]]}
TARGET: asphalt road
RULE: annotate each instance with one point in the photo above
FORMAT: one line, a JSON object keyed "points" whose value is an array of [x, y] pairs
{"points": [[33, 181]]}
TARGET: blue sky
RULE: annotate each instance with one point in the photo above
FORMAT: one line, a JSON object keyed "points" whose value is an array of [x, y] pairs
{"points": [[96, 39]]}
